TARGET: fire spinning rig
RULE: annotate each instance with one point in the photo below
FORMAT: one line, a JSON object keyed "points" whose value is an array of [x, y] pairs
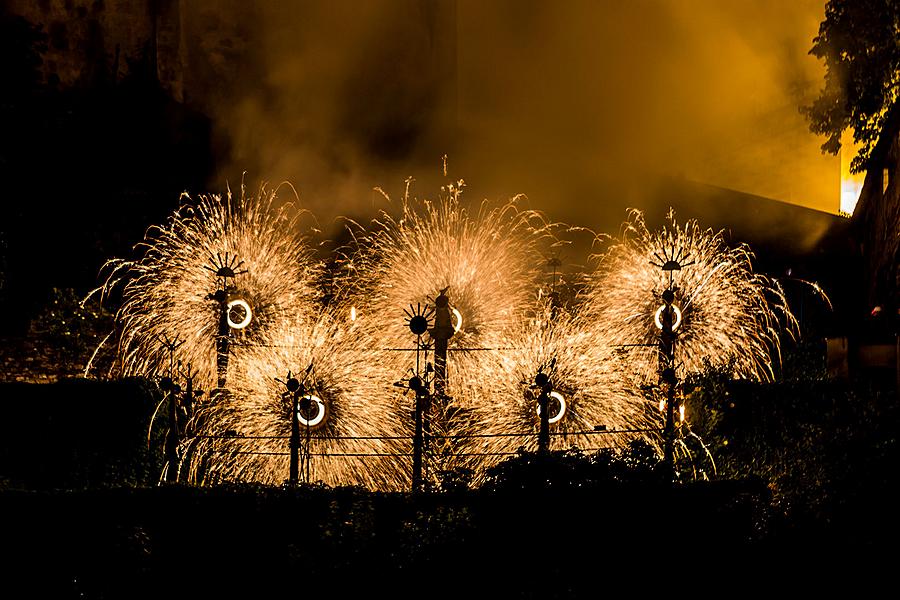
{"points": [[667, 319]]}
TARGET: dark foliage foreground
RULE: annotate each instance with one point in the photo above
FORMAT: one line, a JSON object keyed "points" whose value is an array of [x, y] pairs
{"points": [[529, 533], [180, 541], [827, 450]]}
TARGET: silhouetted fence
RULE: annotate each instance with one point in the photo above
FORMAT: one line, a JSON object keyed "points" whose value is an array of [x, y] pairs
{"points": [[79, 434]]}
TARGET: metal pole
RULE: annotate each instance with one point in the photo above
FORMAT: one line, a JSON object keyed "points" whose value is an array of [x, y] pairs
{"points": [[669, 456], [189, 395], [172, 389], [544, 431], [307, 456], [172, 438], [295, 439], [441, 334], [667, 349], [418, 443], [543, 384], [222, 340]]}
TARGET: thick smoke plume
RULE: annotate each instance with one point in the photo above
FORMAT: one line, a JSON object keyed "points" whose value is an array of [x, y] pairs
{"points": [[580, 105]]}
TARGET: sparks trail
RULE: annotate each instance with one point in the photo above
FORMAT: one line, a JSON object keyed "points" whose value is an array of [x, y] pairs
{"points": [[346, 415], [588, 383], [487, 260], [240, 291], [221, 269], [725, 311]]}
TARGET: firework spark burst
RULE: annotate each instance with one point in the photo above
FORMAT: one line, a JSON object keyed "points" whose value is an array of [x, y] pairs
{"points": [[727, 312], [246, 248], [356, 434], [243, 256], [590, 381], [488, 260]]}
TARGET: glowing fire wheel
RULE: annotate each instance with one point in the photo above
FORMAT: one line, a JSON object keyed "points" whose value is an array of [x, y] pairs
{"points": [[457, 320], [555, 415], [311, 411], [657, 318], [239, 314]]}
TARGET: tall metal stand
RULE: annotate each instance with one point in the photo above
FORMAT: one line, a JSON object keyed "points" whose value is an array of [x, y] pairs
{"points": [[542, 382], [668, 318], [296, 393], [441, 333], [172, 438], [422, 407], [420, 382], [169, 387], [226, 269], [294, 476], [223, 336], [670, 378]]}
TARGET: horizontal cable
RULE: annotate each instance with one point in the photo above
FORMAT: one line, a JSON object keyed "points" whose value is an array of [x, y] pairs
{"points": [[512, 453], [259, 452], [552, 433], [302, 454], [302, 436], [430, 436], [389, 454]]}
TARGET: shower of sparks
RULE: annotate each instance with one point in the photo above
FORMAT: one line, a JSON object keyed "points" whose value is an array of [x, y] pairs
{"points": [[729, 313], [244, 434], [587, 371], [245, 242], [352, 346], [489, 259]]}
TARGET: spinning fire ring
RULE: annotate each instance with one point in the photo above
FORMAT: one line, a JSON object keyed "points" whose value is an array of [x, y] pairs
{"points": [[248, 314], [560, 413]]}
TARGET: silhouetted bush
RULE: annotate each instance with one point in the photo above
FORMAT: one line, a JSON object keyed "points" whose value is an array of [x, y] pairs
{"points": [[181, 541], [828, 450]]}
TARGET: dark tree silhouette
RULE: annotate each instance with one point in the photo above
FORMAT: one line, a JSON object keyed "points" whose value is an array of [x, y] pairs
{"points": [[859, 42]]}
